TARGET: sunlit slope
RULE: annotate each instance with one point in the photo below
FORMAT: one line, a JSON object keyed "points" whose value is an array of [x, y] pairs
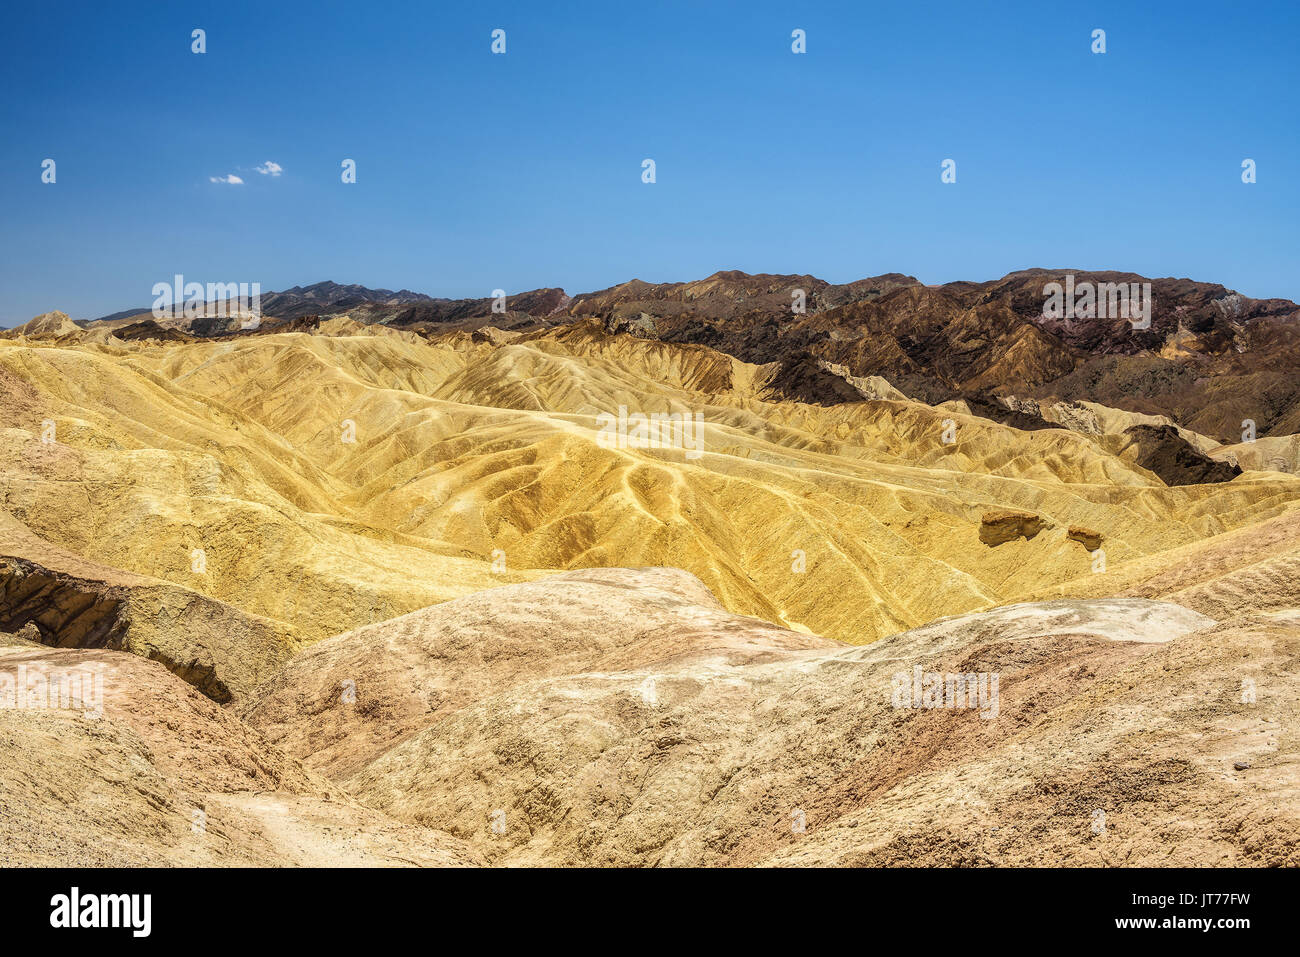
{"points": [[336, 479], [143, 473]]}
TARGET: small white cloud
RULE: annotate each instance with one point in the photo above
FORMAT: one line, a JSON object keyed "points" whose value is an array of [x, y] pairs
{"points": [[232, 179], [269, 168]]}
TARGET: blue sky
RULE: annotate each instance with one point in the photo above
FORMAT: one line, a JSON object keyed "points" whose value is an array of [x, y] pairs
{"points": [[477, 171]]}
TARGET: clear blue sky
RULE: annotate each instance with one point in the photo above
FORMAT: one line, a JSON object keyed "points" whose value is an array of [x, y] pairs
{"points": [[478, 171]]}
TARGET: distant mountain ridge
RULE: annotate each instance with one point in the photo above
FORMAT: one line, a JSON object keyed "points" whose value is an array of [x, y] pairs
{"points": [[320, 297], [1210, 359], [331, 296]]}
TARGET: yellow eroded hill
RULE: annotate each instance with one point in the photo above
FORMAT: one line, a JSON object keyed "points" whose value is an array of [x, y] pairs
{"points": [[327, 481]]}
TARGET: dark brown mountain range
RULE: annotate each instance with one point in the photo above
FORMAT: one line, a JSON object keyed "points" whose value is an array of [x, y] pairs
{"points": [[1210, 360], [330, 297], [524, 309]]}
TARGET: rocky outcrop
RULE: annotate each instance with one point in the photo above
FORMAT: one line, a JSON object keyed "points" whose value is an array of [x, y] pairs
{"points": [[493, 335], [65, 611], [870, 387], [66, 602], [1006, 525], [59, 610], [642, 326], [26, 637], [1089, 539]]}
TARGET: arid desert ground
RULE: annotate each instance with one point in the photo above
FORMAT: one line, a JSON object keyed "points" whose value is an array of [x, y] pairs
{"points": [[416, 584]]}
